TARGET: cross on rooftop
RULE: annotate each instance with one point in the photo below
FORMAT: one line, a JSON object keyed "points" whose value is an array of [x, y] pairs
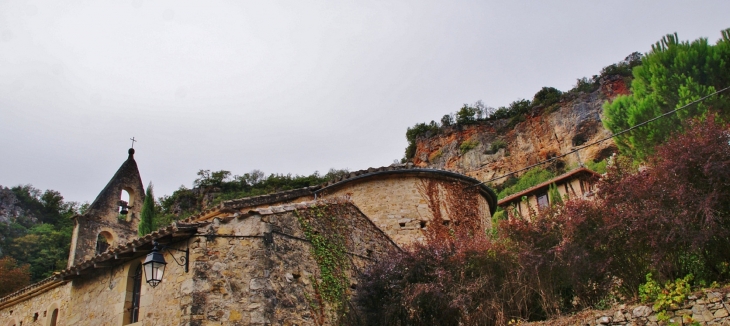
{"points": [[133, 141]]}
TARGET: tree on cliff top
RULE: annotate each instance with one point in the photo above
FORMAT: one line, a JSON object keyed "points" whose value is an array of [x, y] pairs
{"points": [[147, 216], [671, 75]]}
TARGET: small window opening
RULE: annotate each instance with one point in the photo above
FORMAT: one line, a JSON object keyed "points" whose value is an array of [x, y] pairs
{"points": [[423, 224], [296, 275], [353, 286], [35, 316], [369, 252], [136, 291], [446, 222], [542, 200], [103, 242], [54, 317], [402, 224]]}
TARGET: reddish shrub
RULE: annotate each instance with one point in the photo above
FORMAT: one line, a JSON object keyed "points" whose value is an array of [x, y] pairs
{"points": [[671, 218], [14, 277]]}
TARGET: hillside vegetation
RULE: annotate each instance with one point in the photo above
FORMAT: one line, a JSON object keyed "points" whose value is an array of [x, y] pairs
{"points": [[650, 234]]}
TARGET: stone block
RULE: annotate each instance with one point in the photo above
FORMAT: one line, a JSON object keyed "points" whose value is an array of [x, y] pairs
{"points": [[720, 313], [641, 311]]}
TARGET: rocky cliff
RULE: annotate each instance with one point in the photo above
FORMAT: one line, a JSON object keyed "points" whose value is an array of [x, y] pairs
{"points": [[492, 148]]}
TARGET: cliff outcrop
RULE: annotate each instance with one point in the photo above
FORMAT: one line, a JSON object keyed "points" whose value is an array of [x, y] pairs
{"points": [[490, 149]]}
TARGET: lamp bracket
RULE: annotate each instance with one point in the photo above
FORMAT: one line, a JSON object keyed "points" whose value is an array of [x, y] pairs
{"points": [[184, 260]]}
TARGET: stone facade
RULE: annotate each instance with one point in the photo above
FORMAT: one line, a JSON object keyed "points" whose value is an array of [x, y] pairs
{"points": [[250, 263], [397, 203], [38, 309], [250, 268], [705, 308]]}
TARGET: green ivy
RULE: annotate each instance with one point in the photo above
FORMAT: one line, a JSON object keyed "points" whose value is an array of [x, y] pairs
{"points": [[326, 234], [671, 294]]}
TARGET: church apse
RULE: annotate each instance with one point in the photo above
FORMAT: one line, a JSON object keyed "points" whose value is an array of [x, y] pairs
{"points": [[113, 216]]}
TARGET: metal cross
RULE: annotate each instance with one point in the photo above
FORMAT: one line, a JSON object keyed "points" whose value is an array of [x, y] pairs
{"points": [[133, 141]]}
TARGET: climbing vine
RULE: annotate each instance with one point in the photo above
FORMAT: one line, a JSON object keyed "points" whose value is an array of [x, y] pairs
{"points": [[326, 232], [461, 205]]}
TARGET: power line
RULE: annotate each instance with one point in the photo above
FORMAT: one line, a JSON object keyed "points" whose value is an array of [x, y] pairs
{"points": [[606, 138]]}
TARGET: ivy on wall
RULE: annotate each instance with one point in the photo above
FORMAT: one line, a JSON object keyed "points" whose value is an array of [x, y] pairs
{"points": [[326, 231]]}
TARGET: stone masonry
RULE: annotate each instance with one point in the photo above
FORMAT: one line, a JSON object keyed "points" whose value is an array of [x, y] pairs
{"points": [[710, 307]]}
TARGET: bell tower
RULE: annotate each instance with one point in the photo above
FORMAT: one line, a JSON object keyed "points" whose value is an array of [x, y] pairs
{"points": [[109, 220]]}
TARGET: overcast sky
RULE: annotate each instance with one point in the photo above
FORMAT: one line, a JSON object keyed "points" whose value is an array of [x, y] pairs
{"points": [[287, 86]]}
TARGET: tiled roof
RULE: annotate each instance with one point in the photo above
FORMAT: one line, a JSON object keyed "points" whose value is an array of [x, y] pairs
{"points": [[547, 184]]}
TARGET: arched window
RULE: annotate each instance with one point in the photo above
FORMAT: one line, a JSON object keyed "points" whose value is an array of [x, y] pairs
{"points": [[54, 317], [103, 241], [134, 288], [127, 196]]}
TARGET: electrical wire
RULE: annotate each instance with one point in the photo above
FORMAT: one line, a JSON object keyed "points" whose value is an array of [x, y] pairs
{"points": [[606, 138]]}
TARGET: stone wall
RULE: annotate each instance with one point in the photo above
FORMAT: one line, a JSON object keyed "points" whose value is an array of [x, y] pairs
{"points": [[398, 207], [37, 310], [104, 298], [255, 267], [704, 308], [264, 272]]}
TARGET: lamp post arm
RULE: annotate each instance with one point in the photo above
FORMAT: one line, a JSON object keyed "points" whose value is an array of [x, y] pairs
{"points": [[185, 259]]}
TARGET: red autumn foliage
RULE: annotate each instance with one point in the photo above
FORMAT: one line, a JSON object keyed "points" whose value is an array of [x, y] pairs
{"points": [[14, 277], [670, 218]]}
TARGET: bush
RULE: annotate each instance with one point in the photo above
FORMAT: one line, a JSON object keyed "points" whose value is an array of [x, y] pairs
{"points": [[419, 130], [529, 179], [497, 145], [547, 96], [468, 145], [672, 220]]}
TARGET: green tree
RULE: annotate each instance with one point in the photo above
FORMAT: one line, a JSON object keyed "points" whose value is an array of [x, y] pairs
{"points": [[547, 96], [466, 115], [670, 76], [147, 216]]}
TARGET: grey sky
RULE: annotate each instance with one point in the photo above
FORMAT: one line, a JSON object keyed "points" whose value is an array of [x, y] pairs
{"points": [[290, 86]]}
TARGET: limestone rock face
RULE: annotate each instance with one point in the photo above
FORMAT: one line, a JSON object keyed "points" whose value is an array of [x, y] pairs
{"points": [[542, 135]]}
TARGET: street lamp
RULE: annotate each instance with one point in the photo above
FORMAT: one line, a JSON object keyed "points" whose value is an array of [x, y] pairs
{"points": [[154, 264]]}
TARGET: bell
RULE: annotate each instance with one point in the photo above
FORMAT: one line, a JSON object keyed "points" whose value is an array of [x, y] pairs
{"points": [[124, 210]]}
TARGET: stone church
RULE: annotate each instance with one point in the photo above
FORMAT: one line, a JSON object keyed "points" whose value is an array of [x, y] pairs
{"points": [[248, 261]]}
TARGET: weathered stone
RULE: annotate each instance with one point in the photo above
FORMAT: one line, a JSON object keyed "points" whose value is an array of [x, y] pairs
{"points": [[720, 313], [605, 320], [641, 311]]}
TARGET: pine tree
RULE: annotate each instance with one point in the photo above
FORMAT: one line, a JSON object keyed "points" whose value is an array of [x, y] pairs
{"points": [[147, 216], [672, 75]]}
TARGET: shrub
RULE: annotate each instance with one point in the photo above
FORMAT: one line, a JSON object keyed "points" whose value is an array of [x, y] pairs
{"points": [[547, 96], [497, 145], [530, 178], [435, 155], [468, 145], [419, 130]]}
